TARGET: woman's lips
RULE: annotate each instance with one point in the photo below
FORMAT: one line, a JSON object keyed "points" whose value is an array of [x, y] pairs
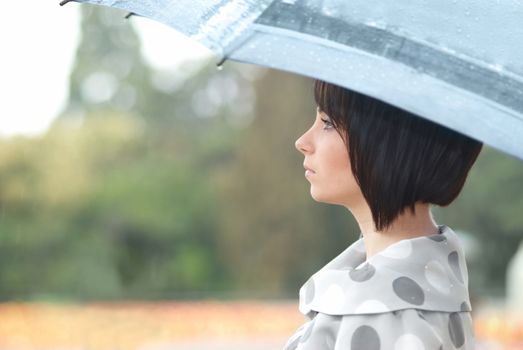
{"points": [[309, 172]]}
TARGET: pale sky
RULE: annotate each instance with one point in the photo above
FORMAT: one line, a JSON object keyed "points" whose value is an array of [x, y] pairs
{"points": [[39, 39]]}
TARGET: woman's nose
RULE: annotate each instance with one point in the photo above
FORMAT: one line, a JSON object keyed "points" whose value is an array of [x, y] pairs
{"points": [[302, 144]]}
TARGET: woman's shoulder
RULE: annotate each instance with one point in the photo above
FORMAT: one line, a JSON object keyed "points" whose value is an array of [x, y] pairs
{"points": [[400, 329]]}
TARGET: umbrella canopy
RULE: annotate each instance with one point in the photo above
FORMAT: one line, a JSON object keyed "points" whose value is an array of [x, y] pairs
{"points": [[457, 63]]}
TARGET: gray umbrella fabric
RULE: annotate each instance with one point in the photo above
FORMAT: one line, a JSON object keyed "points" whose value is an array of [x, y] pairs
{"points": [[457, 63]]}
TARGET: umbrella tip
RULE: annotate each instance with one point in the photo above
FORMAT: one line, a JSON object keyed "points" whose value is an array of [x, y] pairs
{"points": [[219, 65], [63, 2], [129, 15]]}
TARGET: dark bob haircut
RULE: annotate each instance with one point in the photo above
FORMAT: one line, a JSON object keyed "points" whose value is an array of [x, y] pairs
{"points": [[397, 158]]}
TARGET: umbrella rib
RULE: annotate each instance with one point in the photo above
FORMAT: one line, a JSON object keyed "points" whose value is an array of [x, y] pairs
{"points": [[63, 2]]}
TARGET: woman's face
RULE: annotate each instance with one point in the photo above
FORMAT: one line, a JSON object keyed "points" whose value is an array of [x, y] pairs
{"points": [[326, 156]]}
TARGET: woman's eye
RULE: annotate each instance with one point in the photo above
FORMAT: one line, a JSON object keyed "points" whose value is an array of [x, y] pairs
{"points": [[328, 123]]}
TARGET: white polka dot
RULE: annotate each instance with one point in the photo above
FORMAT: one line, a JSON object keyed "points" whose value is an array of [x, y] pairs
{"points": [[409, 342], [333, 297], [437, 276], [371, 306], [398, 250]]}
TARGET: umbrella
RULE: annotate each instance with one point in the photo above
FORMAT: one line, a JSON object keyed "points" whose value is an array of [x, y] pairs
{"points": [[457, 63]]}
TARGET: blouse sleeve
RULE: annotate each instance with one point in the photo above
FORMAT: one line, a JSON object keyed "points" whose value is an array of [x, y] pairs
{"points": [[407, 329]]}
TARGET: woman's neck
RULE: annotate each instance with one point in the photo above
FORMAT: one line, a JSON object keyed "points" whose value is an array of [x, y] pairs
{"points": [[406, 226]]}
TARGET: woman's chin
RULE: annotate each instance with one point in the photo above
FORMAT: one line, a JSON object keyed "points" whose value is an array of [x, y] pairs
{"points": [[318, 196], [322, 197]]}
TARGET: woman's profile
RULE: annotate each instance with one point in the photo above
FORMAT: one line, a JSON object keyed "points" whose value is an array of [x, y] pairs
{"points": [[404, 283]]}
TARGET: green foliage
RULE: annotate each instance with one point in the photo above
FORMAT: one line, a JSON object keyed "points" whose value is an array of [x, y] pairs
{"points": [[93, 212]]}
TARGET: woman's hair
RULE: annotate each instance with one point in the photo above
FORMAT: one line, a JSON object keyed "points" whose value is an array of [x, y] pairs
{"points": [[397, 157]]}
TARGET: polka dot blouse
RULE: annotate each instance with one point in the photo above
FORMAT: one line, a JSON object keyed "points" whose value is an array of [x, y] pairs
{"points": [[413, 295]]}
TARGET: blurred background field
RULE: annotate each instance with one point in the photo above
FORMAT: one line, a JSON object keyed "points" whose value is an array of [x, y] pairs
{"points": [[164, 207], [209, 324], [163, 325]]}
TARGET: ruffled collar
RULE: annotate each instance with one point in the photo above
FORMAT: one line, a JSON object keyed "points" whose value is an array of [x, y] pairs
{"points": [[426, 272]]}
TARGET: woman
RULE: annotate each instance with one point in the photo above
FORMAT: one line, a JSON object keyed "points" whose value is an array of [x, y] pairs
{"points": [[404, 283]]}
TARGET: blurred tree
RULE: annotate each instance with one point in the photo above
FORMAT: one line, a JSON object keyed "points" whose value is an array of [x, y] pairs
{"points": [[108, 66], [110, 74], [187, 129]]}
